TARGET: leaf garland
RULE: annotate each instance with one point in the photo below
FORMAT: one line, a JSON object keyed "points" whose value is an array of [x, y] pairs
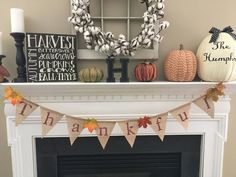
{"points": [[215, 92], [144, 122], [91, 124], [13, 96]]}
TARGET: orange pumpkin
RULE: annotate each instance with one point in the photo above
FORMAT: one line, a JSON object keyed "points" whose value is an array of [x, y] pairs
{"points": [[145, 72], [180, 65]]}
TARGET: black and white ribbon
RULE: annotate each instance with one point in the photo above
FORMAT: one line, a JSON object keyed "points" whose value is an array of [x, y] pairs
{"points": [[216, 32]]}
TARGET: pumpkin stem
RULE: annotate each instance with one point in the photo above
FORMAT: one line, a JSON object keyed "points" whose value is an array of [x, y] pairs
{"points": [[147, 62], [181, 47]]}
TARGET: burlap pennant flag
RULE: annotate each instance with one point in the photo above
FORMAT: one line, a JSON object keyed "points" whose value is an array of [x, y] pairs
{"points": [[159, 125], [182, 114], [104, 131], [23, 109], [49, 119], [206, 104], [129, 129], [75, 127]]}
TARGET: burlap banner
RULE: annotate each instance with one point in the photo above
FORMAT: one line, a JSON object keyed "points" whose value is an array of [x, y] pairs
{"points": [[49, 119], [104, 131], [23, 109], [206, 104], [129, 129], [75, 127], [159, 125], [182, 114]]}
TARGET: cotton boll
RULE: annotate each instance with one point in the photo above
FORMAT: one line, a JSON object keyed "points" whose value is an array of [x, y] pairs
{"points": [[103, 48], [140, 38], [79, 11], [97, 48], [126, 43], [112, 44], [145, 19], [151, 20], [81, 29], [121, 37], [118, 50], [147, 42], [132, 54], [86, 33], [150, 9], [164, 25], [76, 28], [99, 43], [161, 13], [107, 47], [109, 35], [73, 21], [160, 6], [89, 46], [154, 17]]}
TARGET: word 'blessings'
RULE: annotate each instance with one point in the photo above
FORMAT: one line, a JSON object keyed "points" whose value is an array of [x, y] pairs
{"points": [[51, 57]]}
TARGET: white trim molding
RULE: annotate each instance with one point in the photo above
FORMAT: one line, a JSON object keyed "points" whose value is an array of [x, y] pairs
{"points": [[118, 101]]}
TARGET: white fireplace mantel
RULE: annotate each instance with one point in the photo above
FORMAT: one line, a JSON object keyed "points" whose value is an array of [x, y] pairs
{"points": [[118, 101]]}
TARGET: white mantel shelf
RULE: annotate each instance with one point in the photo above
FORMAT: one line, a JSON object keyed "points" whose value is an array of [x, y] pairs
{"points": [[148, 88]]}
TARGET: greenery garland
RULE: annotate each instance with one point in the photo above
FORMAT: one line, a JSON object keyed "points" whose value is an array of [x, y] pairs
{"points": [[105, 42]]}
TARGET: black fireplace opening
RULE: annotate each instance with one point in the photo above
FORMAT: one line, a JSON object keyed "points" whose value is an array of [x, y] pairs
{"points": [[177, 156]]}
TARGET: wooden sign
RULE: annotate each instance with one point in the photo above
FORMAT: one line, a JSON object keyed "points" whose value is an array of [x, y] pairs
{"points": [[51, 57]]}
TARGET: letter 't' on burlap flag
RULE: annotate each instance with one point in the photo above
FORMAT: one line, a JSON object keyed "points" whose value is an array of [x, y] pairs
{"points": [[23, 109], [49, 119], [129, 129], [159, 124], [206, 104], [104, 131], [75, 127], [182, 114]]}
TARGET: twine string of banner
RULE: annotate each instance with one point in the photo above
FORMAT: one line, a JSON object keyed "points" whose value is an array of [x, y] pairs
{"points": [[104, 128]]}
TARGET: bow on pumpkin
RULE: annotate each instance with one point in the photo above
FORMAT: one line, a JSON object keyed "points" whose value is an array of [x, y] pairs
{"points": [[216, 32]]}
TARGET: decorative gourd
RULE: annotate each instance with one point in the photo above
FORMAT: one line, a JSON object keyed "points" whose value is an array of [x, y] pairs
{"points": [[91, 74], [3, 73], [217, 60], [146, 72], [180, 65]]}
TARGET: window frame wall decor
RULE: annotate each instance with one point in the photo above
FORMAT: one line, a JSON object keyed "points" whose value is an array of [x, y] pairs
{"points": [[142, 53]]}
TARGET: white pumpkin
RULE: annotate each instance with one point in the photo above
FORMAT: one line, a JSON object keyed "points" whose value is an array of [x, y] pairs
{"points": [[217, 61]]}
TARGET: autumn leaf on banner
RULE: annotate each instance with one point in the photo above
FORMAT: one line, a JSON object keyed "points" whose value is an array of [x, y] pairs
{"points": [[214, 93], [91, 124], [220, 88], [144, 122], [12, 95]]}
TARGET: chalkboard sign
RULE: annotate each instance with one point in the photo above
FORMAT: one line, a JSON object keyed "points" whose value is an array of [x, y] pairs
{"points": [[51, 57]]}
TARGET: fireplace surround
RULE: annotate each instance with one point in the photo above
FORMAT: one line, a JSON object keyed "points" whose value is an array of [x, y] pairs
{"points": [[177, 156], [118, 101]]}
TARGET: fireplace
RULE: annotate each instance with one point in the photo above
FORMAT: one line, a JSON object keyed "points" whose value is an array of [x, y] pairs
{"points": [[177, 156], [118, 101]]}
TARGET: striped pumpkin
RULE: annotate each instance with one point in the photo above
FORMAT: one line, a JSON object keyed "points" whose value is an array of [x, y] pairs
{"points": [[91, 74], [180, 65], [146, 72]]}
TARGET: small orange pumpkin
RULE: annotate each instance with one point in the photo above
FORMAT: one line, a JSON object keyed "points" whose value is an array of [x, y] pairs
{"points": [[146, 72], [180, 65]]}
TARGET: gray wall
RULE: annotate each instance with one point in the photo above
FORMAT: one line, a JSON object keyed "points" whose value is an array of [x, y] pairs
{"points": [[190, 21]]}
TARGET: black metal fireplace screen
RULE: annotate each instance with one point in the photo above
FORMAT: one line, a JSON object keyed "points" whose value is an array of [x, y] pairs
{"points": [[177, 156]]}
